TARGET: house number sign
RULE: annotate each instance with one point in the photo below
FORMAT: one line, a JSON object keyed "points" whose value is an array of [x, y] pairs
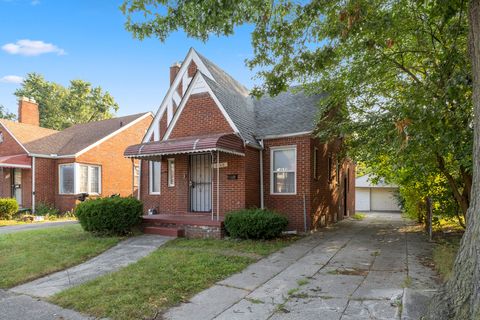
{"points": [[220, 165]]}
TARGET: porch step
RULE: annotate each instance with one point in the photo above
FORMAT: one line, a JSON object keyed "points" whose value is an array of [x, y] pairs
{"points": [[165, 231]]}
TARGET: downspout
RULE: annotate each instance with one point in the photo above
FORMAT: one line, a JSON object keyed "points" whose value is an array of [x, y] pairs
{"points": [[262, 201], [33, 184], [211, 183], [218, 186]]}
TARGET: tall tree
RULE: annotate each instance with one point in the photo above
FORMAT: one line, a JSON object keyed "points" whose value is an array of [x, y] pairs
{"points": [[398, 69], [61, 107], [5, 114]]}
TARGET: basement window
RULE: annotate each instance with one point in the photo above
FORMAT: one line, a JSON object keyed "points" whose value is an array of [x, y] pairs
{"points": [[283, 162]]}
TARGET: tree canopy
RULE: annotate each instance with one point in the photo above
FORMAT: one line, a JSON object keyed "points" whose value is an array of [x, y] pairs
{"points": [[61, 107], [5, 114]]}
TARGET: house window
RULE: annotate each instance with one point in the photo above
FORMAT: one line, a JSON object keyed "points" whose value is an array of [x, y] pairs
{"points": [[315, 164], [283, 172], [171, 172], [136, 175], [67, 179], [154, 177], [79, 178]]}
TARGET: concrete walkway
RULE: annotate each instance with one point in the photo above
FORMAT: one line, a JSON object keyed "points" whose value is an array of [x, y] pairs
{"points": [[34, 226], [354, 270], [123, 254]]}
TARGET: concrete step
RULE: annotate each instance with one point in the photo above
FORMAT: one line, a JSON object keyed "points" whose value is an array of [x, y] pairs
{"points": [[164, 231]]}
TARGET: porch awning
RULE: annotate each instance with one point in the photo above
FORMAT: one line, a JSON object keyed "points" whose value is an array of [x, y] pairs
{"points": [[16, 161], [224, 142]]}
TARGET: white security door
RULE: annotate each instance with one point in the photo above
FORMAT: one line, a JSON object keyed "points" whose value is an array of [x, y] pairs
{"points": [[17, 185], [201, 183], [362, 199]]}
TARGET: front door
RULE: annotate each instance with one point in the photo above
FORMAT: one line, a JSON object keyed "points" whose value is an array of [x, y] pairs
{"points": [[201, 183], [17, 185]]}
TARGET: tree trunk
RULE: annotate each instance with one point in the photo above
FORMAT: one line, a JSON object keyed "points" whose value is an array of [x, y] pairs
{"points": [[459, 297]]}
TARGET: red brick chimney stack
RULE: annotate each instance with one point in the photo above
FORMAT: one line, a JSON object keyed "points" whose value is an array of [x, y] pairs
{"points": [[173, 71], [28, 112]]}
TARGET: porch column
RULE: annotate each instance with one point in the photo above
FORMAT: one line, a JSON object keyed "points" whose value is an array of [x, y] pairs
{"points": [[218, 185]]}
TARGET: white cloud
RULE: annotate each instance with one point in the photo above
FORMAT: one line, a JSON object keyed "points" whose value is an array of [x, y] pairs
{"points": [[11, 79], [27, 47]]}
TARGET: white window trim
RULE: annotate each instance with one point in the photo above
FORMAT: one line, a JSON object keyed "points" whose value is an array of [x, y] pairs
{"points": [[150, 164], [76, 178], [171, 161], [272, 189]]}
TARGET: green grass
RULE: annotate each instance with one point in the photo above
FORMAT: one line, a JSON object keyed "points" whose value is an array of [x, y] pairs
{"points": [[28, 255], [359, 216], [170, 275], [6, 223], [444, 256]]}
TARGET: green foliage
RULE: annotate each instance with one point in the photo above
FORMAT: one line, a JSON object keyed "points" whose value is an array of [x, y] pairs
{"points": [[8, 207], [359, 216], [45, 209], [444, 257], [62, 107], [255, 224], [5, 114], [114, 215]]}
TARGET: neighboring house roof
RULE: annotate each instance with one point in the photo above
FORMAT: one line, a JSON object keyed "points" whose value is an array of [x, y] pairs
{"points": [[365, 181], [26, 133], [71, 140], [287, 113]]}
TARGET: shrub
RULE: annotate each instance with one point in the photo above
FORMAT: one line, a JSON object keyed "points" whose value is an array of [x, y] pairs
{"points": [[8, 207], [45, 209], [255, 224], [109, 215]]}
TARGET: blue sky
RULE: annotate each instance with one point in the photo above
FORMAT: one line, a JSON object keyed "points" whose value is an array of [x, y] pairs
{"points": [[86, 39]]}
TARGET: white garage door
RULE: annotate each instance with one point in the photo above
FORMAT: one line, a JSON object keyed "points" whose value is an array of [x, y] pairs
{"points": [[362, 199], [383, 200]]}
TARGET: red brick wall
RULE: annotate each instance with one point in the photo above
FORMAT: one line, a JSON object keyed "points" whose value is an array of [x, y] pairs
{"points": [[252, 178], [5, 183], [45, 182], [163, 125], [290, 205], [28, 113], [9, 146], [192, 69], [200, 116]]}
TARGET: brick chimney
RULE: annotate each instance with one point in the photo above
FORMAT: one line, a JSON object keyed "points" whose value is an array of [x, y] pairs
{"points": [[28, 111], [173, 71]]}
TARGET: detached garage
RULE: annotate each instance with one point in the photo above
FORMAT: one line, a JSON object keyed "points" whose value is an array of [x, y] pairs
{"points": [[375, 197]]}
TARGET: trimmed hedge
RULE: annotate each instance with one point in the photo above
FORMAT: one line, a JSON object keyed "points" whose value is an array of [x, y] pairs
{"points": [[8, 207], [113, 215], [255, 224]]}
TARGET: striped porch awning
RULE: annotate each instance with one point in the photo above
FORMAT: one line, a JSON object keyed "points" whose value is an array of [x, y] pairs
{"points": [[224, 142], [16, 161]]}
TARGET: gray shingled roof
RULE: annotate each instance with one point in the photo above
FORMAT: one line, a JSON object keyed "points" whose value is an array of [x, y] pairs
{"points": [[288, 113], [78, 137]]}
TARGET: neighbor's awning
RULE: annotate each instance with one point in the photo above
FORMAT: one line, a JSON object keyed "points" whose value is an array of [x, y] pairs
{"points": [[224, 142], [16, 161]]}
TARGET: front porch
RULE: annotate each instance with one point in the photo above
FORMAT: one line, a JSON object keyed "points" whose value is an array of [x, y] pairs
{"points": [[189, 225]]}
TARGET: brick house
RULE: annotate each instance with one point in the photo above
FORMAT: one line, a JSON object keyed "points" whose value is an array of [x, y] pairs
{"points": [[39, 165], [212, 148]]}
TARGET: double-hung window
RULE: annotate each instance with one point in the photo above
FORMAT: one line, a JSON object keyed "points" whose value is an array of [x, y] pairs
{"points": [[154, 177], [79, 178], [283, 170]]}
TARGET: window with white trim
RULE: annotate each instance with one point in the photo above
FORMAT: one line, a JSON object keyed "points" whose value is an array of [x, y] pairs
{"points": [[154, 177], [79, 178], [171, 172], [283, 170], [67, 178]]}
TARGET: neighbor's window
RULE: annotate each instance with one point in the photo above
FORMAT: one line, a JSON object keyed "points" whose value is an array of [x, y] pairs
{"points": [[154, 177], [79, 178], [171, 172], [136, 175], [67, 178], [284, 166]]}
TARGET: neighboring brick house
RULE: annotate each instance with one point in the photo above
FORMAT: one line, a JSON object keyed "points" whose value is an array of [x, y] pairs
{"points": [[212, 148], [39, 165]]}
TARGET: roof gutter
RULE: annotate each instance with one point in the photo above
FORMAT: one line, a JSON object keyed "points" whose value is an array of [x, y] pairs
{"points": [[286, 135]]}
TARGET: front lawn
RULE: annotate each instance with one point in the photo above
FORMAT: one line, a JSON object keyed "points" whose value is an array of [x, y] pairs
{"points": [[28, 255], [6, 223], [168, 276]]}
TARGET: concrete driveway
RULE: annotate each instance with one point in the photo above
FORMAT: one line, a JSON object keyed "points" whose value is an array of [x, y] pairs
{"points": [[353, 270], [33, 226]]}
